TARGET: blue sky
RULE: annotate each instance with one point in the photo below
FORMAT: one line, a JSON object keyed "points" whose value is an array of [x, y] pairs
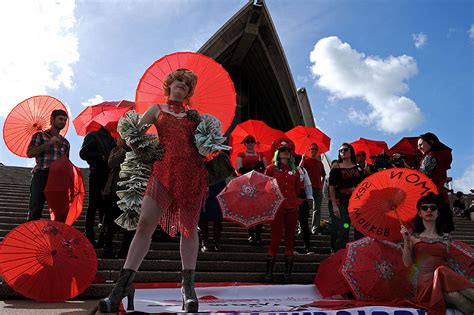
{"points": [[378, 69]]}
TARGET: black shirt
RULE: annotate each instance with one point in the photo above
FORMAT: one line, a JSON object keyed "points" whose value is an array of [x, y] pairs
{"points": [[346, 177]]}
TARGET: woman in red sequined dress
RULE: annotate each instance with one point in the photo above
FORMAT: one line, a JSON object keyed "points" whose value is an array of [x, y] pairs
{"points": [[436, 284], [175, 193]]}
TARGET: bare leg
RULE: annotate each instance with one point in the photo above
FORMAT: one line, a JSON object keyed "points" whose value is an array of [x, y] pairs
{"points": [[189, 247], [459, 301], [149, 218]]}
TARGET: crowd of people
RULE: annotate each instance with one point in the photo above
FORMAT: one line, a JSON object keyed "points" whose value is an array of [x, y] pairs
{"points": [[181, 193]]}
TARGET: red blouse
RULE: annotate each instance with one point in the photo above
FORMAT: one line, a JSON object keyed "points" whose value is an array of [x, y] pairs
{"points": [[250, 160]]}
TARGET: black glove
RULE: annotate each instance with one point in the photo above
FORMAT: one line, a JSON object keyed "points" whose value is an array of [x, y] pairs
{"points": [[260, 166]]}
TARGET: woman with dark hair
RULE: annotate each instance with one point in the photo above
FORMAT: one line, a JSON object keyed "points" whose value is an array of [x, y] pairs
{"points": [[435, 162], [218, 176], [247, 161], [334, 220], [342, 182], [175, 192], [427, 249]]}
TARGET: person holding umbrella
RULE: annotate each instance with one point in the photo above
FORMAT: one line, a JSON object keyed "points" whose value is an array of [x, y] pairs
{"points": [[435, 162], [342, 182], [286, 173], [46, 147], [428, 248], [246, 162], [175, 193], [95, 150]]}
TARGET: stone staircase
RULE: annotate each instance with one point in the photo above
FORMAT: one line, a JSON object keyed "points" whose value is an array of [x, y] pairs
{"points": [[238, 261]]}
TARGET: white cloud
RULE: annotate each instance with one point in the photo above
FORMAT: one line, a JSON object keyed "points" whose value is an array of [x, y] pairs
{"points": [[471, 31], [420, 39], [346, 73], [302, 79], [451, 32], [466, 182], [38, 48], [93, 101]]}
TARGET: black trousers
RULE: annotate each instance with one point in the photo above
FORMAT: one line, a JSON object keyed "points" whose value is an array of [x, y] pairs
{"points": [[303, 217], [97, 180], [37, 197], [112, 212]]}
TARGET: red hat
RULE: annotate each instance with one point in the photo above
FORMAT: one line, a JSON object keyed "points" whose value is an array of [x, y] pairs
{"points": [[249, 138], [283, 143]]}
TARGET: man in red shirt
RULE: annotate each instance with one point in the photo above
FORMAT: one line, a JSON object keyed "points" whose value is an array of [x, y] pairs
{"points": [[317, 174]]}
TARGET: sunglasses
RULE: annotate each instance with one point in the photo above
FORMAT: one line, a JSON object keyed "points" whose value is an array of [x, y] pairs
{"points": [[431, 207], [343, 150], [314, 149], [249, 142], [284, 150]]}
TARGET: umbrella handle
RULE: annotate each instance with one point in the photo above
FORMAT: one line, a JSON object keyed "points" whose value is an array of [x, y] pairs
{"points": [[398, 216]]}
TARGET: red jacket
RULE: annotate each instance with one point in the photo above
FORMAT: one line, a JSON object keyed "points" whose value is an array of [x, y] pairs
{"points": [[289, 184]]}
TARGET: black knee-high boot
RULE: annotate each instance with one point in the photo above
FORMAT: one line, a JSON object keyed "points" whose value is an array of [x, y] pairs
{"points": [[270, 265], [288, 268]]}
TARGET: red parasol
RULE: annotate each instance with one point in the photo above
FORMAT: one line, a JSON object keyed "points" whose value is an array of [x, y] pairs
{"points": [[303, 136], [329, 281], [263, 134], [250, 199], [64, 191], [105, 114], [47, 261], [374, 270], [461, 259], [214, 93], [386, 199], [370, 147], [26, 119], [408, 148]]}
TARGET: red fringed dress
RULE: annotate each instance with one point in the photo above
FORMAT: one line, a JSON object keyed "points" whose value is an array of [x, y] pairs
{"points": [[434, 276], [178, 182]]}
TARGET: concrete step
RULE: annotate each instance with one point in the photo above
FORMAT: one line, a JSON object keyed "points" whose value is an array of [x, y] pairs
{"points": [[259, 265]]}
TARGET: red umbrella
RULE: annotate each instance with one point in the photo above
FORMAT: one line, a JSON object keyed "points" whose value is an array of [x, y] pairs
{"points": [[329, 281], [105, 114], [263, 134], [64, 191], [374, 270], [214, 93], [407, 147], [27, 118], [303, 136], [250, 199], [47, 261], [461, 259], [370, 147], [386, 199]]}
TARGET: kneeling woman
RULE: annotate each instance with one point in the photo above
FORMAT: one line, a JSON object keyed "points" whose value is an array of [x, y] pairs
{"points": [[427, 249], [288, 178]]}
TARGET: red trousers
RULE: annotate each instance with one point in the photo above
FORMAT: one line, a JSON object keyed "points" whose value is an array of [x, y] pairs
{"points": [[287, 219]]}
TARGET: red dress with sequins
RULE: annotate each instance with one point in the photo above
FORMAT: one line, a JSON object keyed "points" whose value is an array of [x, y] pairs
{"points": [[178, 183]]}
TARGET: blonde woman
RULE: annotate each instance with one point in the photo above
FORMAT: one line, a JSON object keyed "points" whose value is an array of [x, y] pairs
{"points": [[175, 193]]}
